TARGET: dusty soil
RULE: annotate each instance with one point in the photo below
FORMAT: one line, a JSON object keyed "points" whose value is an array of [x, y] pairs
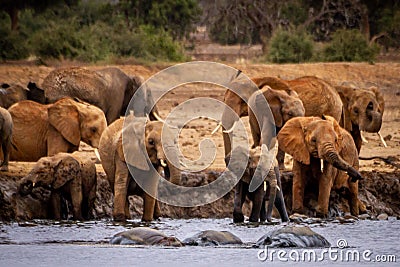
{"points": [[380, 190]]}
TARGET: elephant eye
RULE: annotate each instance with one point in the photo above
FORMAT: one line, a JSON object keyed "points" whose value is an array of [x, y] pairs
{"points": [[93, 129], [313, 139], [370, 105], [290, 113], [355, 110], [151, 142]]}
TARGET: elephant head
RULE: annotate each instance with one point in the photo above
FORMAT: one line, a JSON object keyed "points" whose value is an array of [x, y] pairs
{"points": [[11, 94], [362, 108], [306, 137], [76, 120], [49, 174], [147, 140]]}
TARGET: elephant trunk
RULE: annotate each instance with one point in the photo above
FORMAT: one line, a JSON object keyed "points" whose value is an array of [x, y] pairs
{"points": [[175, 174], [272, 195], [331, 156], [371, 122]]}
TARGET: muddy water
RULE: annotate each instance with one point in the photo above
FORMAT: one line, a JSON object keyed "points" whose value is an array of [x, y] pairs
{"points": [[49, 243]]}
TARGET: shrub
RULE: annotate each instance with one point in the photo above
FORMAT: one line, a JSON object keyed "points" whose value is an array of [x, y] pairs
{"points": [[290, 47], [349, 45]]}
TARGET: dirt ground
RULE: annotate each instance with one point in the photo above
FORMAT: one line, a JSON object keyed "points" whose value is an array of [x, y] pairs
{"points": [[384, 75]]}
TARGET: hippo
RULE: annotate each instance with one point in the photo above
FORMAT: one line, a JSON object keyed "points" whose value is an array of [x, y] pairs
{"points": [[293, 236], [145, 236], [212, 238]]}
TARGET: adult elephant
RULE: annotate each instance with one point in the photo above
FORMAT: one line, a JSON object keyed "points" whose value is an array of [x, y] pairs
{"points": [[318, 96], [283, 105], [310, 139], [62, 176], [258, 167], [6, 128], [362, 111], [45, 130], [138, 143], [110, 89]]}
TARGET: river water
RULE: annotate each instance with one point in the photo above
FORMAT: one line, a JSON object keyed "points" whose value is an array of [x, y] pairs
{"points": [[49, 243]]}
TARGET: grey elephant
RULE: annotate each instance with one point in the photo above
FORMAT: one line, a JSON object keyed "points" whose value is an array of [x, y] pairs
{"points": [[45, 130], [139, 142], [6, 128], [267, 171], [110, 89], [61, 177], [144, 236], [362, 111]]}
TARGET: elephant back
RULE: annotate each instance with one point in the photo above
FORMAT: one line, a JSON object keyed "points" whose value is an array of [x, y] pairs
{"points": [[73, 82]]}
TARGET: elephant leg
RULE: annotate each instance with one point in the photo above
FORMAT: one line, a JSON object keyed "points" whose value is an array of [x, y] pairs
{"points": [[324, 189], [76, 198], [280, 157], [263, 211], [55, 203], [257, 203], [120, 191], [353, 198], [6, 146], [279, 199], [240, 196], [157, 210], [149, 206], [299, 173]]}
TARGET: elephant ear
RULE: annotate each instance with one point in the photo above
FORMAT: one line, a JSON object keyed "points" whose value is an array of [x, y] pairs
{"points": [[275, 104], [379, 97], [132, 147], [345, 94], [65, 118], [66, 169], [291, 138]]}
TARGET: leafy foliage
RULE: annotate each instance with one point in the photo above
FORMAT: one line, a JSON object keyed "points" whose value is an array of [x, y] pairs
{"points": [[349, 45], [290, 47]]}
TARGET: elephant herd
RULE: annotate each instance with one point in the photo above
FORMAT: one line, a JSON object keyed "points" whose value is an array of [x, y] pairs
{"points": [[318, 124]]}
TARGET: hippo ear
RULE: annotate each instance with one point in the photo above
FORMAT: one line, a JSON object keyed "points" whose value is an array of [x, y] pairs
{"points": [[379, 98]]}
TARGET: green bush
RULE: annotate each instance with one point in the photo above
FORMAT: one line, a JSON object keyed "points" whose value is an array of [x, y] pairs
{"points": [[290, 47], [349, 45]]}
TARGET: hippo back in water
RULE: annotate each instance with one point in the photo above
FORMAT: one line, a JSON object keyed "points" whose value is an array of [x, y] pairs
{"points": [[293, 236], [144, 236], [212, 238]]}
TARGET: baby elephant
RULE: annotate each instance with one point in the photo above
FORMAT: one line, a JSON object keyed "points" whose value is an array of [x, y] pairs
{"points": [[267, 168], [62, 176], [6, 126]]}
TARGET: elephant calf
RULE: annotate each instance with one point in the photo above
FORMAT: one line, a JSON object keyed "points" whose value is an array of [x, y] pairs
{"points": [[6, 127], [257, 156], [138, 144], [62, 176]]}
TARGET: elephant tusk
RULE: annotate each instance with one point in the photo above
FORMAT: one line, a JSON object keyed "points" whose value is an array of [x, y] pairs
{"points": [[183, 164], [33, 184], [163, 163], [265, 186], [216, 128], [96, 152], [278, 188], [363, 138], [158, 117], [382, 140], [231, 129]]}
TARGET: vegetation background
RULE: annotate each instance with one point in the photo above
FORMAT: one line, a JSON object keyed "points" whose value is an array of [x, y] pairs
{"points": [[168, 30]]}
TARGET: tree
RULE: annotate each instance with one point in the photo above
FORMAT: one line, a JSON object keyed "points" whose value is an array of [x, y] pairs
{"points": [[175, 16], [12, 7]]}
